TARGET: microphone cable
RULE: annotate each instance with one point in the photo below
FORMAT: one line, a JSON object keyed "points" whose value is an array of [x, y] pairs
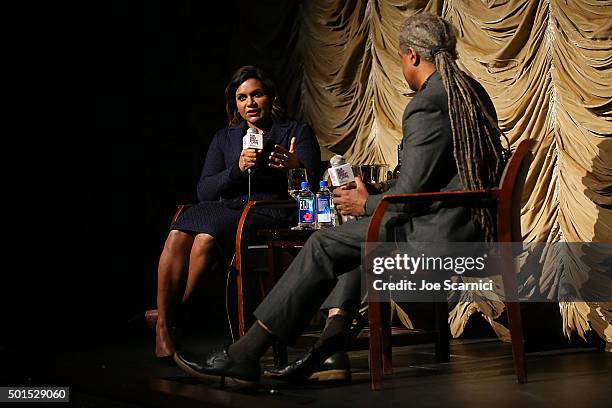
{"points": [[229, 269], [249, 184], [227, 311]]}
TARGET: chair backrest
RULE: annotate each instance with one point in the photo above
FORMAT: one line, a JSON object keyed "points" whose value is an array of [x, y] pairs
{"points": [[511, 192]]}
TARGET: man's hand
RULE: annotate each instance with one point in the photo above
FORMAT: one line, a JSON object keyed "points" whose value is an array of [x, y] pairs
{"points": [[284, 159], [350, 200]]}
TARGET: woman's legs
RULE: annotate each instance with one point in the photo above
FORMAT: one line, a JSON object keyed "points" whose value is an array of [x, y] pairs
{"points": [[199, 260], [182, 254], [170, 278]]}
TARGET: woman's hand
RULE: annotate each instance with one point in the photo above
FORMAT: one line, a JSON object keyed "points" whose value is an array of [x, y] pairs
{"points": [[350, 199], [248, 158], [284, 159]]}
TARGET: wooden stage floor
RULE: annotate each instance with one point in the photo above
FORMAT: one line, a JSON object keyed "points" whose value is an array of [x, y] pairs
{"points": [[123, 373]]}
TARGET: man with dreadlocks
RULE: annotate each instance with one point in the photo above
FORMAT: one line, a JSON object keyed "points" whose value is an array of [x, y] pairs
{"points": [[451, 141]]}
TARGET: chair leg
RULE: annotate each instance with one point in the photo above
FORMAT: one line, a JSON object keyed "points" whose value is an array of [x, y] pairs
{"points": [[516, 334], [374, 322], [387, 348], [513, 309], [240, 299], [279, 350], [442, 345]]}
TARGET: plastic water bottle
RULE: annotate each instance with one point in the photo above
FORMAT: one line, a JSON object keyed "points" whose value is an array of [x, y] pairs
{"points": [[323, 201], [306, 204]]}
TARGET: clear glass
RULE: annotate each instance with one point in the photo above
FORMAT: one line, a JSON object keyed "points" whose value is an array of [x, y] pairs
{"points": [[294, 181], [372, 173]]}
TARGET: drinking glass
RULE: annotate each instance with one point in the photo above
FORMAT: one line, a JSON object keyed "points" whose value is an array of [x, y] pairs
{"points": [[294, 181]]}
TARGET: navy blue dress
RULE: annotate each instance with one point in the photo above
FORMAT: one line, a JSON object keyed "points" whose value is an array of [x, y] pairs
{"points": [[223, 188]]}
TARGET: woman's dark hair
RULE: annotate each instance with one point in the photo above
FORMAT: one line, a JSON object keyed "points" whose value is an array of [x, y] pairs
{"points": [[241, 75], [477, 145]]}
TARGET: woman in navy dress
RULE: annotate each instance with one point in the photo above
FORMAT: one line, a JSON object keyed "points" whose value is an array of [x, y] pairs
{"points": [[209, 228]]}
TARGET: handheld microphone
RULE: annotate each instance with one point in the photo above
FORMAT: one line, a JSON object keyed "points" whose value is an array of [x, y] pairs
{"points": [[252, 140], [340, 172]]}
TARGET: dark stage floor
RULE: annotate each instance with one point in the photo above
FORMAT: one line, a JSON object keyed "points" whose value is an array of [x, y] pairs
{"points": [[124, 373]]}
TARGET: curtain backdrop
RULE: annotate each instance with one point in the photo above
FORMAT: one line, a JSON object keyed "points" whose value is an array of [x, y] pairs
{"points": [[547, 66]]}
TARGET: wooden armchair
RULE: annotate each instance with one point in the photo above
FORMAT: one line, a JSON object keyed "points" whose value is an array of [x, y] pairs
{"points": [[243, 266], [506, 199], [241, 260]]}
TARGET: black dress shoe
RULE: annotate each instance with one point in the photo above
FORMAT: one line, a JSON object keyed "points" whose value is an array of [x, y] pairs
{"points": [[218, 365], [309, 367]]}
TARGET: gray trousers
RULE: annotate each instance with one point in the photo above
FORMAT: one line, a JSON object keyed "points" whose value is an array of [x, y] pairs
{"points": [[346, 293], [326, 273]]}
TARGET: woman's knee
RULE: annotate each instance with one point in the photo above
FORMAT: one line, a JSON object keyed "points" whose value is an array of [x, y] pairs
{"points": [[203, 243], [178, 241]]}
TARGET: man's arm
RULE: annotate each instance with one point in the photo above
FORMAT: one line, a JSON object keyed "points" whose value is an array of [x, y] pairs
{"points": [[425, 155]]}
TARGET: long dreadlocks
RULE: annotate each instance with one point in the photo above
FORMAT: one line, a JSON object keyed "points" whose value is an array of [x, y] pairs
{"points": [[476, 136]]}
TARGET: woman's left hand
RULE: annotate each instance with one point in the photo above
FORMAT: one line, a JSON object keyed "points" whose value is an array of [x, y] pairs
{"points": [[284, 159]]}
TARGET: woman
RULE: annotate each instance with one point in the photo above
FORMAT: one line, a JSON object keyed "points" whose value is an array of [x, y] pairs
{"points": [[209, 227]]}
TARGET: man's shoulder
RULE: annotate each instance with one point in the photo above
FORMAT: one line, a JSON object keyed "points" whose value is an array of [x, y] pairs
{"points": [[433, 93], [432, 96]]}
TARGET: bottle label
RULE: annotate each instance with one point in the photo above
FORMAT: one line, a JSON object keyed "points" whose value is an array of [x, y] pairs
{"points": [[306, 210], [323, 209]]}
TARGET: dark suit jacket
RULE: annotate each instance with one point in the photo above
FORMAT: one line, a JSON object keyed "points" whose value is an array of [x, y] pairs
{"points": [[428, 165], [221, 178]]}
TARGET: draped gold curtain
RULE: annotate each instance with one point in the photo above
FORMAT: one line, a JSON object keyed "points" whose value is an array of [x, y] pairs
{"points": [[548, 68]]}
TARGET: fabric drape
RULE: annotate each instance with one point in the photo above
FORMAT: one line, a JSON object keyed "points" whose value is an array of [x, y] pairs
{"points": [[547, 66]]}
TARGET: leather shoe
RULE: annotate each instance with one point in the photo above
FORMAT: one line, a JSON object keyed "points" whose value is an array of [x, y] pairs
{"points": [[148, 319], [309, 367], [218, 365], [151, 318]]}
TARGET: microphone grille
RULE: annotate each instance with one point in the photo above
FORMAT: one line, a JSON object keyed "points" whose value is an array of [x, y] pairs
{"points": [[336, 161]]}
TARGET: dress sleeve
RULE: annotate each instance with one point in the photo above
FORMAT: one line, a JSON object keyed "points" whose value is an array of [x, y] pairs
{"points": [[216, 177]]}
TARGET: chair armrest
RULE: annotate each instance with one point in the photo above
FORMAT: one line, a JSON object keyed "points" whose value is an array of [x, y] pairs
{"points": [[460, 197], [180, 209], [244, 224]]}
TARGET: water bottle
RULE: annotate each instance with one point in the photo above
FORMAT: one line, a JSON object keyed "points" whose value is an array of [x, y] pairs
{"points": [[306, 204], [323, 201]]}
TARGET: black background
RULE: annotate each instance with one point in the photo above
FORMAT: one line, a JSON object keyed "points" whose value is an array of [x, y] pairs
{"points": [[110, 108], [114, 105]]}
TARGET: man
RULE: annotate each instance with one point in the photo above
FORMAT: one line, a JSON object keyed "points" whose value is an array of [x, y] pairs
{"points": [[451, 141]]}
